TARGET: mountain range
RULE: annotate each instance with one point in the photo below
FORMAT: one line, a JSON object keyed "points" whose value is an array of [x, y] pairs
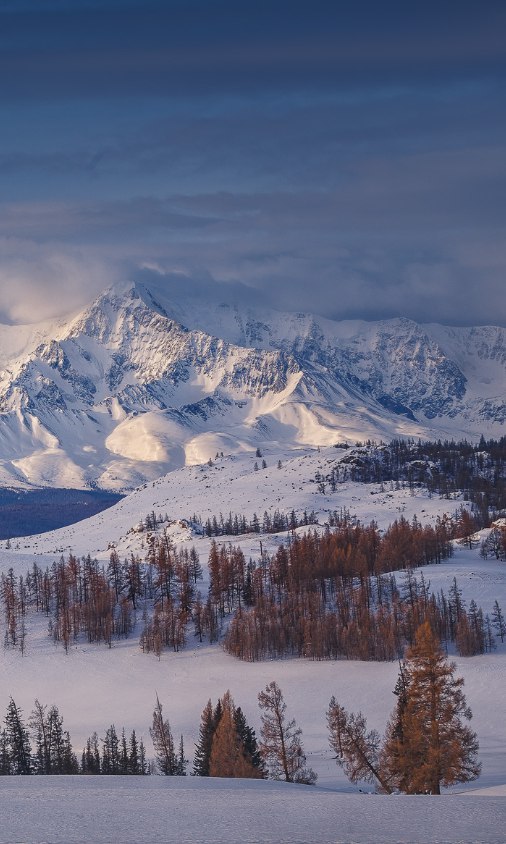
{"points": [[143, 381]]}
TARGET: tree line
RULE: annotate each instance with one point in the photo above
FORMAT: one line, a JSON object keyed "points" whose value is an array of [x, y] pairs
{"points": [[334, 595], [42, 746], [236, 524], [428, 742], [446, 468], [227, 745], [323, 595]]}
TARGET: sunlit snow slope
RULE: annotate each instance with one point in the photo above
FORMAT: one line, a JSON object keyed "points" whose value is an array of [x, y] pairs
{"points": [[142, 382]]}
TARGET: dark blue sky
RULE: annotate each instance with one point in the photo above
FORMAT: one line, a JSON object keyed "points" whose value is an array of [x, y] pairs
{"points": [[342, 157]]}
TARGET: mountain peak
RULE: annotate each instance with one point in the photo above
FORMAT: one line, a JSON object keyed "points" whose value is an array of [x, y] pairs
{"points": [[151, 376]]}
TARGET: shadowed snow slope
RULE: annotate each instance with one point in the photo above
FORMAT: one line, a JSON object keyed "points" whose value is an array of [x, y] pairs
{"points": [[141, 383]]}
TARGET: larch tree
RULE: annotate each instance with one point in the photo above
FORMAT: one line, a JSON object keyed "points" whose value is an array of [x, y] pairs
{"points": [[357, 750], [281, 745], [466, 527], [427, 742], [436, 748], [228, 755]]}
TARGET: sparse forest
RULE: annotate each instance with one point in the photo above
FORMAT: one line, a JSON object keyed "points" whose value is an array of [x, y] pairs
{"points": [[334, 596], [322, 595], [227, 746], [476, 471], [427, 744]]}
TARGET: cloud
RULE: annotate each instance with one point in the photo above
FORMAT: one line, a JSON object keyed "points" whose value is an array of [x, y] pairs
{"points": [[191, 48], [407, 235], [349, 162], [47, 282]]}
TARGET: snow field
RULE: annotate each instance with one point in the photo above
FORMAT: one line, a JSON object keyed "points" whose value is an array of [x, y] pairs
{"points": [[94, 686], [66, 810]]}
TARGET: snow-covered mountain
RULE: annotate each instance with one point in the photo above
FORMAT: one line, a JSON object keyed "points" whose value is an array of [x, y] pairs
{"points": [[143, 381]]}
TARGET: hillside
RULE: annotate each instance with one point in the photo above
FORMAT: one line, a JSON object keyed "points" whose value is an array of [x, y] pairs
{"points": [[94, 685]]}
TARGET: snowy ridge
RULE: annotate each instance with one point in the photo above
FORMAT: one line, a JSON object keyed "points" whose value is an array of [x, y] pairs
{"points": [[140, 383]]}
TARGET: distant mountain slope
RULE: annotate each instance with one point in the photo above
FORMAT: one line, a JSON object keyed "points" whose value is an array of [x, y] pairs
{"points": [[139, 383]]}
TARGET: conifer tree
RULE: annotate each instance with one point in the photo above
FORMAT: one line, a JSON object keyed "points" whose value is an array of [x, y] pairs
{"points": [[5, 762], [281, 746], [70, 765], [357, 751], [90, 760], [134, 766], [124, 761], [181, 762], [110, 752], [437, 747], [394, 736], [40, 728], [163, 742], [143, 764], [18, 741], [498, 622], [208, 723], [56, 740], [427, 744], [228, 756], [249, 742]]}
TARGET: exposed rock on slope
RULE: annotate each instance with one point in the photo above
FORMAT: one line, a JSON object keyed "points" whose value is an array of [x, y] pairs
{"points": [[138, 384]]}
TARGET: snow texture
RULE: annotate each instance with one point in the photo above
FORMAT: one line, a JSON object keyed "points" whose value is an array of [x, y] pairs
{"points": [[64, 810]]}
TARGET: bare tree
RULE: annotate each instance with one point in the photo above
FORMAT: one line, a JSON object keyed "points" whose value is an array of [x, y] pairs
{"points": [[280, 745], [357, 751]]}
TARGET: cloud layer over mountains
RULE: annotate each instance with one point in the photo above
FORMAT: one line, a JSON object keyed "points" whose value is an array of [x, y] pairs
{"points": [[344, 160]]}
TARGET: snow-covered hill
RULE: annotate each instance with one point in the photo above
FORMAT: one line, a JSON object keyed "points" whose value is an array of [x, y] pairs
{"points": [[94, 684], [142, 382]]}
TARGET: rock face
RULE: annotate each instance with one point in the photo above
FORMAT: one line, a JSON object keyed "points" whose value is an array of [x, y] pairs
{"points": [[137, 384]]}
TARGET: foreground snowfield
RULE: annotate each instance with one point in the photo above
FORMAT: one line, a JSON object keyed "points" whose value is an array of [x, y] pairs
{"points": [[94, 686], [65, 810]]}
